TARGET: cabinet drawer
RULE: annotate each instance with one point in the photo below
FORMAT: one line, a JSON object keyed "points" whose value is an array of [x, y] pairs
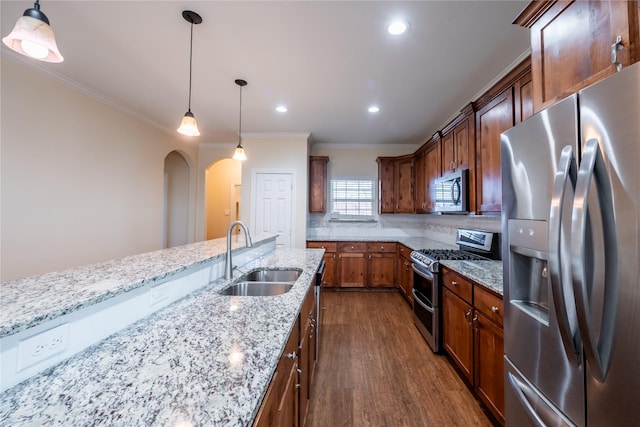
{"points": [[327, 246], [404, 251], [383, 247], [488, 304], [458, 285], [352, 247]]}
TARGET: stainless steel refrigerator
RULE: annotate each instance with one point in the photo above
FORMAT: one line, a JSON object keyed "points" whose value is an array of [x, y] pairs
{"points": [[571, 251]]}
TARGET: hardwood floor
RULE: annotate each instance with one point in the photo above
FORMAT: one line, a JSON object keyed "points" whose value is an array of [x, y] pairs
{"points": [[375, 369]]}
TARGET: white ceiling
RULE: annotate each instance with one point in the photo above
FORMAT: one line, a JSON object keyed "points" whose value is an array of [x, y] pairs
{"points": [[326, 60]]}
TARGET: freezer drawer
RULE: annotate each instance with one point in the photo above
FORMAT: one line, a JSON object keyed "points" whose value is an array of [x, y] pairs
{"points": [[525, 405]]}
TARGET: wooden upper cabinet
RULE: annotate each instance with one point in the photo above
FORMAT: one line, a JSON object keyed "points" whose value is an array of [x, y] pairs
{"points": [[571, 44], [386, 188], [493, 119], [433, 170], [396, 184], [318, 184], [404, 179], [457, 142], [523, 98], [421, 182]]}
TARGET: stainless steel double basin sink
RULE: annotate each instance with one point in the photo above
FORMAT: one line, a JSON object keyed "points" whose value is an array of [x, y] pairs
{"points": [[263, 282]]}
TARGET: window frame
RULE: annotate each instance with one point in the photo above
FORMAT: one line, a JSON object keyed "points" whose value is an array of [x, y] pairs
{"points": [[346, 214]]}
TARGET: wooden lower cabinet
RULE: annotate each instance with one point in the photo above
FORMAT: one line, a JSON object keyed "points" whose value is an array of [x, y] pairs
{"points": [[489, 360], [330, 258], [352, 270], [286, 401], [458, 334], [381, 268], [405, 272], [473, 337]]}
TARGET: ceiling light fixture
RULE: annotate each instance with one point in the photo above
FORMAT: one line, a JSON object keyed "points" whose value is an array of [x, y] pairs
{"points": [[188, 126], [281, 109], [33, 37], [373, 109], [239, 153], [398, 27]]}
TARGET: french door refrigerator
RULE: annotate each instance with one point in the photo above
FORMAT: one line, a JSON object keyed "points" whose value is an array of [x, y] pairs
{"points": [[571, 251]]}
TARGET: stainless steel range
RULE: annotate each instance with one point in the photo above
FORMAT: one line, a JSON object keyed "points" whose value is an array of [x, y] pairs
{"points": [[427, 287]]}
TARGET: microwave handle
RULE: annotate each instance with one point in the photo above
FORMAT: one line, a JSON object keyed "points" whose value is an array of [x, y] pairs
{"points": [[456, 185]]}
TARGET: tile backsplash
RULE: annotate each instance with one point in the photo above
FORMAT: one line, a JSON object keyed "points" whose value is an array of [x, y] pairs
{"points": [[437, 227]]}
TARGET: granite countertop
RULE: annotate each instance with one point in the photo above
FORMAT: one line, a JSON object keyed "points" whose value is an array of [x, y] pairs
{"points": [[485, 273], [30, 301], [204, 360]]}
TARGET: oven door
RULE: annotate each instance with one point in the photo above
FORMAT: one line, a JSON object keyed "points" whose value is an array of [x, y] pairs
{"points": [[426, 314]]}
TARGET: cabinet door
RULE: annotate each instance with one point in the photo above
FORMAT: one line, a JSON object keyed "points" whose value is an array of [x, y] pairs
{"points": [[489, 368], [352, 270], [304, 373], [458, 334], [406, 279], [421, 183], [433, 172], [382, 270], [523, 98], [491, 120], [318, 184], [386, 186], [404, 194], [288, 410], [330, 260], [448, 153], [461, 146], [571, 44]]}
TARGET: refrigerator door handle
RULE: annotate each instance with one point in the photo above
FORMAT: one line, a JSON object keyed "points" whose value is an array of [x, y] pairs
{"points": [[598, 352], [567, 172]]}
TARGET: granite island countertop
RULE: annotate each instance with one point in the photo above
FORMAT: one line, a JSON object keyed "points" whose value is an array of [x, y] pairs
{"points": [[206, 359]]}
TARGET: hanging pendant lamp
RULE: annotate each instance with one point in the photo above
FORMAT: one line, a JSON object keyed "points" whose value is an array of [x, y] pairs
{"points": [[33, 37], [239, 153], [188, 126]]}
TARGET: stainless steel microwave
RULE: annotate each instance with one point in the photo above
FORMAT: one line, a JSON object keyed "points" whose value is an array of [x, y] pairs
{"points": [[451, 192]]}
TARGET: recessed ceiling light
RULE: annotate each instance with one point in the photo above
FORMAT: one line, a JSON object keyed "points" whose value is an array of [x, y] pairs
{"points": [[374, 109], [398, 27], [281, 109]]}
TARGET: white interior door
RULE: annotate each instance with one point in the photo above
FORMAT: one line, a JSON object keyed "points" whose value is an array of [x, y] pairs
{"points": [[273, 206]]}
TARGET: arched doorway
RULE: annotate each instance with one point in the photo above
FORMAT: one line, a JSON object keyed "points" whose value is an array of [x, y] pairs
{"points": [[176, 201], [223, 182]]}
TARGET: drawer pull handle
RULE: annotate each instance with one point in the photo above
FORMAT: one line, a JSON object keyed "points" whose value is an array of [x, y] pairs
{"points": [[454, 283], [495, 309], [292, 355]]}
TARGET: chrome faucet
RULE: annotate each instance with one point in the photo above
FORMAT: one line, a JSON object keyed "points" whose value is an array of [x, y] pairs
{"points": [[228, 266]]}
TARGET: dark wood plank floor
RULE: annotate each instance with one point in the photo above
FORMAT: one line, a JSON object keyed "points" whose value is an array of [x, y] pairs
{"points": [[376, 370]]}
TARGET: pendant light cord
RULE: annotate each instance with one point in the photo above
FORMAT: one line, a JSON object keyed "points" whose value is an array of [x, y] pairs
{"points": [[240, 120], [190, 64]]}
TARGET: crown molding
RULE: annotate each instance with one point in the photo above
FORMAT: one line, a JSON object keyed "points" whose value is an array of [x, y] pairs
{"points": [[353, 146], [276, 135]]}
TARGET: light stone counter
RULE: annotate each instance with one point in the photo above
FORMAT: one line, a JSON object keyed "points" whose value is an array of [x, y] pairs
{"points": [[485, 273], [206, 359], [30, 301]]}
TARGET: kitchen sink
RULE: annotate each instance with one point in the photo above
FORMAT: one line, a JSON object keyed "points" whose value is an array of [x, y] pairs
{"points": [[271, 275], [257, 289], [263, 282]]}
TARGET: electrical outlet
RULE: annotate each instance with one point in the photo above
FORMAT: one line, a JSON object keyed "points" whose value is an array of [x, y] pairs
{"points": [[39, 347], [160, 293]]}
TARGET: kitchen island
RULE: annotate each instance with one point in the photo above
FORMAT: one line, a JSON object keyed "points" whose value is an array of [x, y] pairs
{"points": [[206, 359]]}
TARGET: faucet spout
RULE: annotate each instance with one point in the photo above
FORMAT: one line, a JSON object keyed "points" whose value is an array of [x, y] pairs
{"points": [[228, 264]]}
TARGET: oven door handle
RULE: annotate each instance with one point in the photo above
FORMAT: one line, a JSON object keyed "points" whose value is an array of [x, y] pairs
{"points": [[417, 299], [425, 274]]}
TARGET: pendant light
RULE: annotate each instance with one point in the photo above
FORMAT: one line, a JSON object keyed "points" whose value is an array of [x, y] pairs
{"points": [[239, 153], [33, 37], [188, 126]]}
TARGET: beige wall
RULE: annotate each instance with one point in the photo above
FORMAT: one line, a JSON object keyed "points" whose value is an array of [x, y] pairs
{"points": [[284, 152], [81, 182], [219, 183]]}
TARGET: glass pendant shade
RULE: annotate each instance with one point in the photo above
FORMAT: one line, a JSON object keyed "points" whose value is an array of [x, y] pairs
{"points": [[34, 38], [188, 126], [239, 154]]}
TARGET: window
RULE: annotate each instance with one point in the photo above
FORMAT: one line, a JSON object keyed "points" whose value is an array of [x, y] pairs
{"points": [[352, 197]]}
